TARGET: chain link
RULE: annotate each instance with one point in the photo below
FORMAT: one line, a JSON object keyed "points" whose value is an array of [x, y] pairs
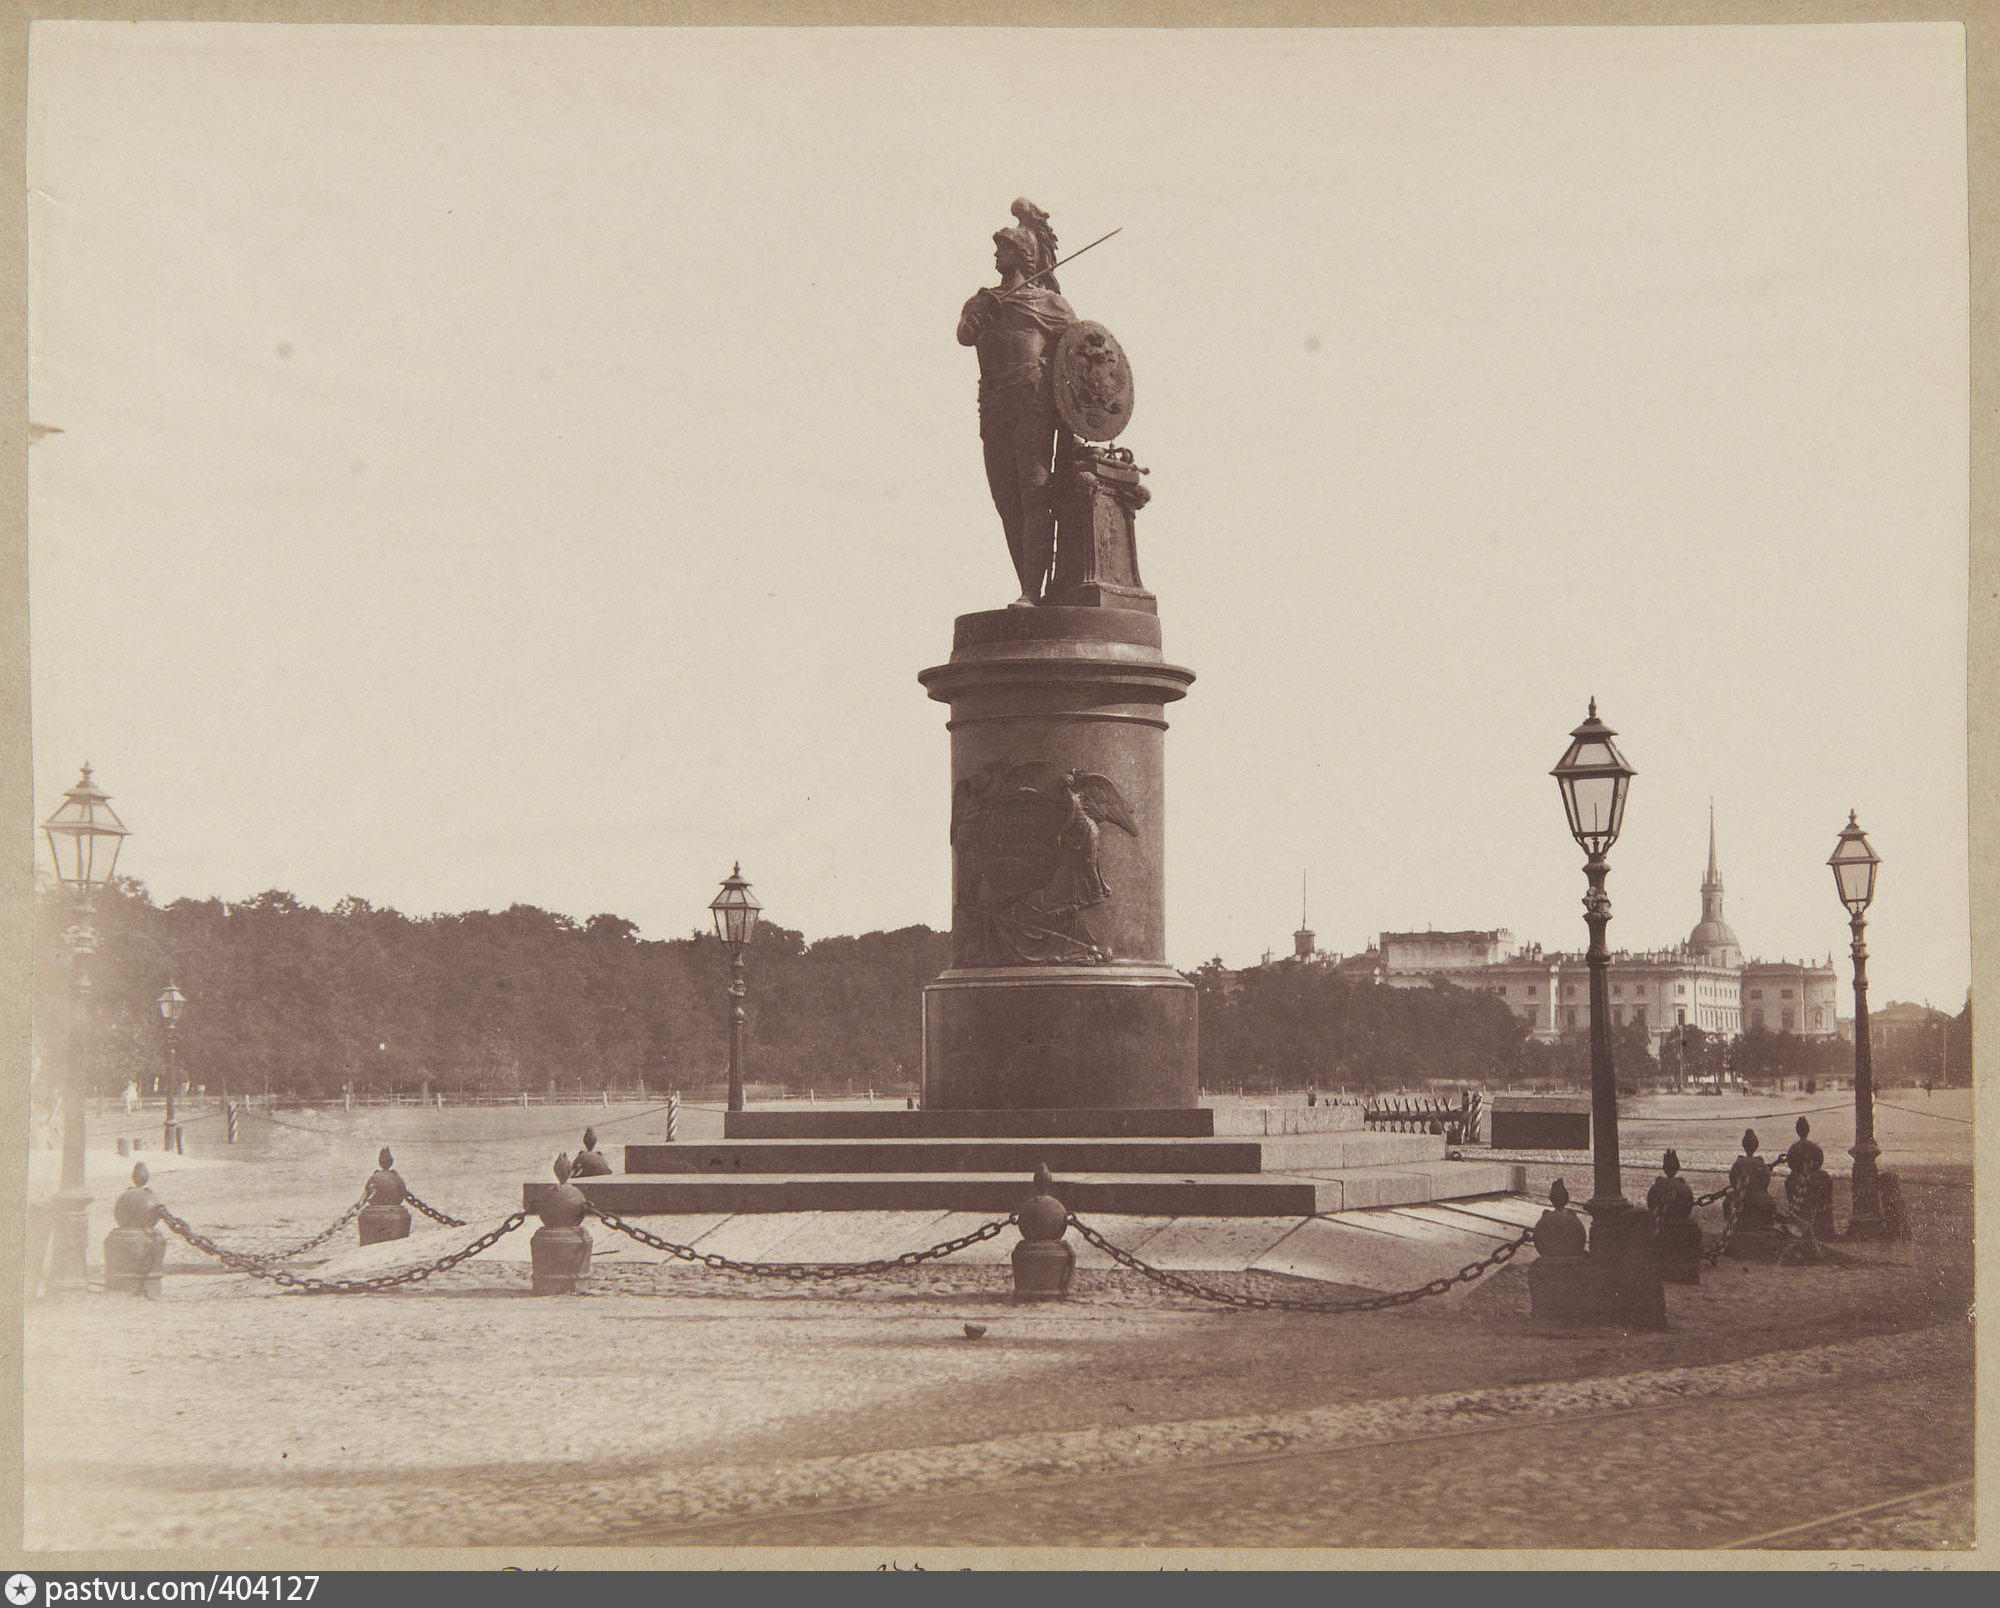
{"points": [[433, 1213], [804, 1270], [386, 1281], [312, 1244], [1280, 1303]]}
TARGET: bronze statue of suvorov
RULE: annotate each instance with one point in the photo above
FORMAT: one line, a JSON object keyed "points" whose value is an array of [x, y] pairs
{"points": [[1015, 326]]}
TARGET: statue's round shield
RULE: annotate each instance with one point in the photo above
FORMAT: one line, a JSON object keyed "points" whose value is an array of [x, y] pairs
{"points": [[1093, 382]]}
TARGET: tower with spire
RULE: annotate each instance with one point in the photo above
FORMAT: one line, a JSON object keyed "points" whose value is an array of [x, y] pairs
{"points": [[1713, 942], [1304, 941]]}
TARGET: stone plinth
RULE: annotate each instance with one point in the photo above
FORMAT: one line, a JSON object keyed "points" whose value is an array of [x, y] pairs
{"points": [[1059, 995], [1540, 1122]]}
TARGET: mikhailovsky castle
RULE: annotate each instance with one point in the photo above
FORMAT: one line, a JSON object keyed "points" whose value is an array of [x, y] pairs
{"points": [[1704, 982]]}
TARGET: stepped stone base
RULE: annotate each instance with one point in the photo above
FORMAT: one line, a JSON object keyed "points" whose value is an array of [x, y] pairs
{"points": [[1064, 1157], [1200, 1195], [1244, 1161]]}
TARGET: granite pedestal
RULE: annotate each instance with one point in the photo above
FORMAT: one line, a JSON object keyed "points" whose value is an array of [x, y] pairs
{"points": [[1059, 994]]}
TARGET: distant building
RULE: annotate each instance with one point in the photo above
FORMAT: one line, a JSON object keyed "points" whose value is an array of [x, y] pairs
{"points": [[1704, 982], [1410, 958]]}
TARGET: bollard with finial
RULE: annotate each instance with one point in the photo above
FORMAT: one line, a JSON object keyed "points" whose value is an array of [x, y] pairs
{"points": [[560, 1248], [135, 1251], [1043, 1262], [590, 1162], [383, 1214]]}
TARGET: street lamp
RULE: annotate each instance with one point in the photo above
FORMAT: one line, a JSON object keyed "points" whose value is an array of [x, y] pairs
{"points": [[172, 1002], [1854, 864], [1593, 777], [84, 836], [735, 910]]}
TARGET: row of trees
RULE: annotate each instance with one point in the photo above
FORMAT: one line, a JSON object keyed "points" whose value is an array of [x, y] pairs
{"points": [[301, 1001], [306, 1002]]}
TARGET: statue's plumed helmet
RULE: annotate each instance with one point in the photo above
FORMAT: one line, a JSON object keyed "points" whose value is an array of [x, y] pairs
{"points": [[1033, 237], [1022, 242]]}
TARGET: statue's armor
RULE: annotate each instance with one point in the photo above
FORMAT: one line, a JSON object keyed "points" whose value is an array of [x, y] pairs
{"points": [[1015, 339]]}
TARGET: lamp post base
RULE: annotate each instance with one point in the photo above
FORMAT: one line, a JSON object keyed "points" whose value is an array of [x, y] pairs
{"points": [[69, 1242], [1866, 1217], [1627, 1263]]}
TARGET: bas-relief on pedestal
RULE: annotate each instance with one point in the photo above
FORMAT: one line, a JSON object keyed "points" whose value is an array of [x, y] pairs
{"points": [[1059, 994]]}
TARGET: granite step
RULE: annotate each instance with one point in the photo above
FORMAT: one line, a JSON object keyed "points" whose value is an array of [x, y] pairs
{"points": [[1295, 1194], [811, 1123], [1282, 1153]]}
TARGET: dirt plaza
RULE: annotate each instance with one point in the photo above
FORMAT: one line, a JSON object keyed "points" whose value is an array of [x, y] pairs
{"points": [[670, 1406]]}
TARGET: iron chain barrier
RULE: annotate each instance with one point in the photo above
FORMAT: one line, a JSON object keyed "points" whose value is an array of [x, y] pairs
{"points": [[805, 1270], [311, 1286], [1280, 1303], [433, 1213], [312, 1244]]}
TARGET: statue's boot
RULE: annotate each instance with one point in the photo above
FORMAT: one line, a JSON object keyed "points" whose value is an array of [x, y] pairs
{"points": [[1038, 552]]}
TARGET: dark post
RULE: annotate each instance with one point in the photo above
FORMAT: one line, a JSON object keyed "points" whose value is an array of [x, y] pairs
{"points": [[84, 837], [1607, 1184], [737, 993], [169, 1135], [72, 1222], [735, 910], [1865, 1212], [1854, 862]]}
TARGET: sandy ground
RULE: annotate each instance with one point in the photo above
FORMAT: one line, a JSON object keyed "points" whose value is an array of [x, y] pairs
{"points": [[669, 1406]]}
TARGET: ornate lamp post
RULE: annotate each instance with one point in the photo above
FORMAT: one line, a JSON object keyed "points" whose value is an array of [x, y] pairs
{"points": [[84, 836], [1593, 777], [172, 1002], [735, 910], [1854, 864]]}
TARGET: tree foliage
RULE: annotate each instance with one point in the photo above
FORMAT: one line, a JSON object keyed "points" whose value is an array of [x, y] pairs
{"points": [[307, 1001], [1290, 1026]]}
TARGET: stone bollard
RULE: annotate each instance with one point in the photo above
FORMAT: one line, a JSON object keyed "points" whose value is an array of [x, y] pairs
{"points": [[1754, 1233], [1676, 1235], [1559, 1278], [135, 1251], [1043, 1263], [383, 1214], [590, 1162], [560, 1248]]}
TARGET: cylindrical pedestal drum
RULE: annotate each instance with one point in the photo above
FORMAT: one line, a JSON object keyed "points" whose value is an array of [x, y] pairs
{"points": [[1059, 995]]}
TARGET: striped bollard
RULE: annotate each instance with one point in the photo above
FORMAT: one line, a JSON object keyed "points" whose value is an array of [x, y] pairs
{"points": [[233, 1120], [673, 1116]]}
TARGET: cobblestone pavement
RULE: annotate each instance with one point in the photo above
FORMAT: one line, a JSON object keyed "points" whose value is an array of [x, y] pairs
{"points": [[420, 1430], [1658, 1477], [673, 1404], [1935, 1521]]}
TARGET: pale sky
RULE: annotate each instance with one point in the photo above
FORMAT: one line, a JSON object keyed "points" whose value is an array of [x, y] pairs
{"points": [[533, 465]]}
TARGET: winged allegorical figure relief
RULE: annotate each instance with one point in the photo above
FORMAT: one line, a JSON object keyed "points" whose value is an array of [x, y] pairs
{"points": [[1025, 840]]}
